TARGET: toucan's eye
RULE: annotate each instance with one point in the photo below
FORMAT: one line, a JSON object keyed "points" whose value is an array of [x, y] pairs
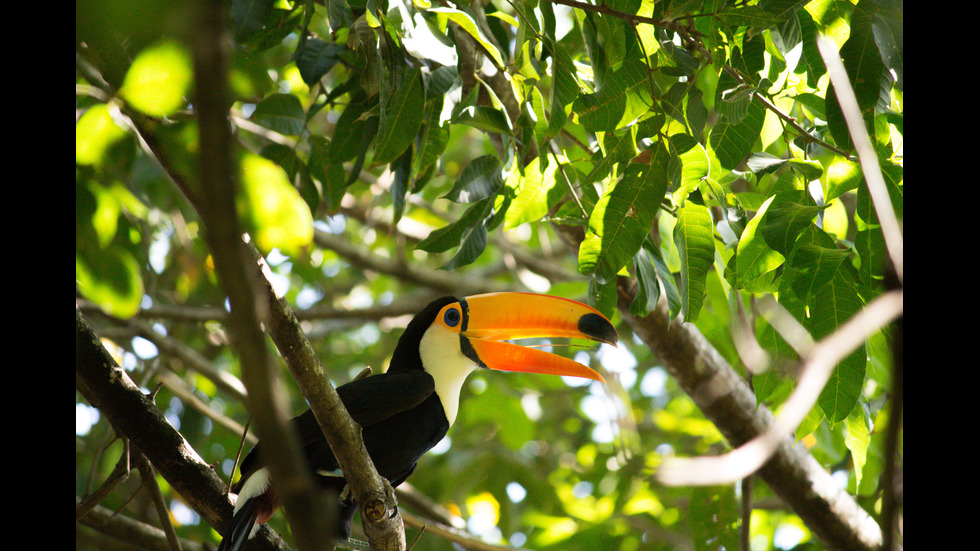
{"points": [[451, 317]]}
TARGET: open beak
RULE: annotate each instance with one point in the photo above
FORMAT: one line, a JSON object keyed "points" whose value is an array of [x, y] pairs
{"points": [[495, 317]]}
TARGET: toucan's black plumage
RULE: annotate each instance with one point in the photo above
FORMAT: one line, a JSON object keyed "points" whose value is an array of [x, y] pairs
{"points": [[408, 409]]}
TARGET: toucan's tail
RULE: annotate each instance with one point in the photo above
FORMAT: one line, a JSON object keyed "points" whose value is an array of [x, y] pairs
{"points": [[241, 526]]}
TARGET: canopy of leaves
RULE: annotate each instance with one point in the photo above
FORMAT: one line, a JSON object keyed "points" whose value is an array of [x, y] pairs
{"points": [[388, 152]]}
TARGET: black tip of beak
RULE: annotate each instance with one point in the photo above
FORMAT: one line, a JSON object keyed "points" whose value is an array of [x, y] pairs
{"points": [[598, 328]]}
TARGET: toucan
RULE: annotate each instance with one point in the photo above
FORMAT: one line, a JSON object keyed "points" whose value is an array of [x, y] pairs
{"points": [[408, 409]]}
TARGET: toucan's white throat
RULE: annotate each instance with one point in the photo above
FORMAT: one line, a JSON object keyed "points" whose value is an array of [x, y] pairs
{"points": [[444, 360]]}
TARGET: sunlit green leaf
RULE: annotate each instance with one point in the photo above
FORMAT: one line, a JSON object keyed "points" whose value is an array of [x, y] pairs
{"points": [[694, 238], [620, 221], [694, 170], [112, 279], [533, 188], [274, 208], [857, 436], [95, 133], [159, 80], [624, 97], [469, 25]]}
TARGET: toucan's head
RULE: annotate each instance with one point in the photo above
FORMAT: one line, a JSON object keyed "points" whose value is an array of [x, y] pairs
{"points": [[452, 337]]}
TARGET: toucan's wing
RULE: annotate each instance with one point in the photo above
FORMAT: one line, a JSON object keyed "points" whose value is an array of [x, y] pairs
{"points": [[369, 400], [372, 399]]}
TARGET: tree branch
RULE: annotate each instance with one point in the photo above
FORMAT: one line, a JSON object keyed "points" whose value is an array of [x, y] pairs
{"points": [[818, 365], [241, 280], [121, 528], [133, 415], [728, 402], [375, 498]]}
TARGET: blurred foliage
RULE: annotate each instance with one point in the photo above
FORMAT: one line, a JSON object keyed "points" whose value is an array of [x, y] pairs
{"points": [[707, 157]]}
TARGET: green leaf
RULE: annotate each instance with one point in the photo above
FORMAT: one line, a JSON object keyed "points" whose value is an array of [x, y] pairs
{"points": [[838, 302], [467, 23], [564, 89], [159, 80], [356, 125], [621, 220], [95, 133], [754, 258], [249, 17], [401, 182], [888, 26], [617, 150], [864, 71], [479, 180], [282, 113], [106, 269], [732, 142], [451, 235], [843, 175], [475, 236], [276, 214], [532, 189], [623, 98], [748, 16], [862, 59], [484, 118], [713, 517], [695, 167], [694, 238], [647, 283], [813, 267], [786, 219], [857, 436], [111, 279], [315, 59], [402, 111]]}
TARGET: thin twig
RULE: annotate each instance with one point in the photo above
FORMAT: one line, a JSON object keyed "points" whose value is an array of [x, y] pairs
{"points": [[890, 226], [163, 512]]}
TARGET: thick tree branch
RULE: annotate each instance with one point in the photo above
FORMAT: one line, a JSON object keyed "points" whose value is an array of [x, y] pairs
{"points": [[818, 365], [133, 415], [728, 402], [381, 521], [241, 280]]}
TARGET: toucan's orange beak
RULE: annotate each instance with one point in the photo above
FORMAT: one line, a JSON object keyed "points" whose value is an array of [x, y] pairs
{"points": [[496, 317]]}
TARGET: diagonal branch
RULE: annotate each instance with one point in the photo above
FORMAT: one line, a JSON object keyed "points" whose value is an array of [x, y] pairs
{"points": [[133, 415], [818, 365], [240, 279], [728, 402], [381, 521]]}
